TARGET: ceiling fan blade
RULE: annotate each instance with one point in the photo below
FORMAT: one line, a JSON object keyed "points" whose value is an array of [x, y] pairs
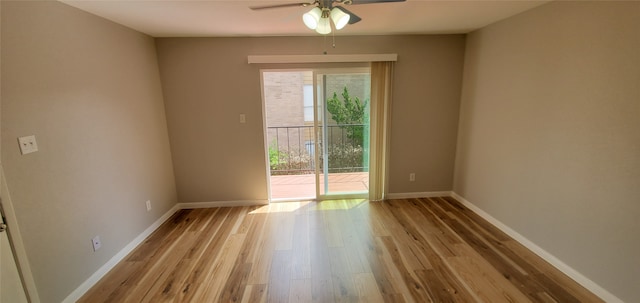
{"points": [[353, 18], [373, 1], [301, 4]]}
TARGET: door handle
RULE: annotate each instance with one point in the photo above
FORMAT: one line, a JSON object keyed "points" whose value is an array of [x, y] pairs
{"points": [[3, 227]]}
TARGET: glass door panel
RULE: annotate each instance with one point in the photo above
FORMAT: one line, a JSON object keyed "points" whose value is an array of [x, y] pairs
{"points": [[342, 128]]}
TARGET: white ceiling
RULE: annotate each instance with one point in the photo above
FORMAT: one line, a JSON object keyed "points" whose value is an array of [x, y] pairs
{"points": [[216, 18]]}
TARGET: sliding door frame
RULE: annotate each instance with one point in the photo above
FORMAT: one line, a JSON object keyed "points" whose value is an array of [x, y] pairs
{"points": [[322, 194], [265, 128], [319, 195]]}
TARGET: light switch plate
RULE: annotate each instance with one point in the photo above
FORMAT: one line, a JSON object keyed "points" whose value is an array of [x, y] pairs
{"points": [[243, 118], [28, 144]]}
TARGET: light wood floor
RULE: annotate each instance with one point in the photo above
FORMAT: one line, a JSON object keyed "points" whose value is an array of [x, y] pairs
{"points": [[413, 250]]}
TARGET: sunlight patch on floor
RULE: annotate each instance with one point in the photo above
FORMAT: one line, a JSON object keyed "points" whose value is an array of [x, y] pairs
{"points": [[292, 206]]}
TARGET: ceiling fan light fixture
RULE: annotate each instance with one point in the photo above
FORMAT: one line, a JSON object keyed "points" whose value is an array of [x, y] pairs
{"points": [[324, 26], [312, 18], [340, 18]]}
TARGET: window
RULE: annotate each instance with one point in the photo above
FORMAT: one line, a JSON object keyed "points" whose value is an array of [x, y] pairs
{"points": [[307, 95]]}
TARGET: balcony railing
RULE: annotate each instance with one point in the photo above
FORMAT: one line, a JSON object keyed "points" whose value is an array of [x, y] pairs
{"points": [[292, 149]]}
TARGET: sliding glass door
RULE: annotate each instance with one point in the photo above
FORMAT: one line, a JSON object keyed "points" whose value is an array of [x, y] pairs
{"points": [[317, 133], [342, 131]]}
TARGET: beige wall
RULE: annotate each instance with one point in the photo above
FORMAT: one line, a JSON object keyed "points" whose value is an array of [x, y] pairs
{"points": [[207, 83], [89, 90], [549, 139]]}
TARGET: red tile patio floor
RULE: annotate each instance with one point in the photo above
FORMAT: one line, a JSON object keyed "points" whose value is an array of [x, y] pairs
{"points": [[304, 186]]}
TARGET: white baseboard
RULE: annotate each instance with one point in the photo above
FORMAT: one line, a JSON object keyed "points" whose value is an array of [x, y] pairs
{"points": [[84, 287], [418, 195], [190, 205], [557, 263]]}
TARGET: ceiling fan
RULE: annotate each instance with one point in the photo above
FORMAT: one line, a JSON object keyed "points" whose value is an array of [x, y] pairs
{"points": [[319, 18]]}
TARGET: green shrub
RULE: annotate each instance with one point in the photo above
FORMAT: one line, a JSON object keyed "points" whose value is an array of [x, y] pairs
{"points": [[349, 111]]}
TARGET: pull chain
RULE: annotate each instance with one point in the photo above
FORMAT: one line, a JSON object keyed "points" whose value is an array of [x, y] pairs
{"points": [[333, 35], [324, 45], [333, 39]]}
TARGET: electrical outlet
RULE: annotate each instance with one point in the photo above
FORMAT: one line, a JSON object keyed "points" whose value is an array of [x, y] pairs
{"points": [[148, 203], [28, 144], [96, 243], [412, 177]]}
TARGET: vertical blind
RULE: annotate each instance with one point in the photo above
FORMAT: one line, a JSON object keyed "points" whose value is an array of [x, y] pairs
{"points": [[381, 91]]}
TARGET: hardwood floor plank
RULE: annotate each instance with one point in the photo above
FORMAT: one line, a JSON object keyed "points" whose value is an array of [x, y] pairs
{"points": [[146, 276], [300, 291], [357, 260], [166, 274], [319, 248], [113, 289], [446, 238], [404, 250], [343, 288], [396, 274], [255, 293], [513, 275], [343, 222], [473, 218], [553, 290], [206, 259], [435, 250], [439, 277], [438, 289], [284, 230], [368, 291], [430, 241], [410, 281], [373, 254], [263, 250], [332, 225], [216, 277], [239, 277], [280, 277], [413, 240], [490, 287], [301, 259], [407, 240], [236, 284], [322, 290], [552, 273], [171, 285], [480, 241], [239, 219], [174, 226], [374, 218], [209, 227]]}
